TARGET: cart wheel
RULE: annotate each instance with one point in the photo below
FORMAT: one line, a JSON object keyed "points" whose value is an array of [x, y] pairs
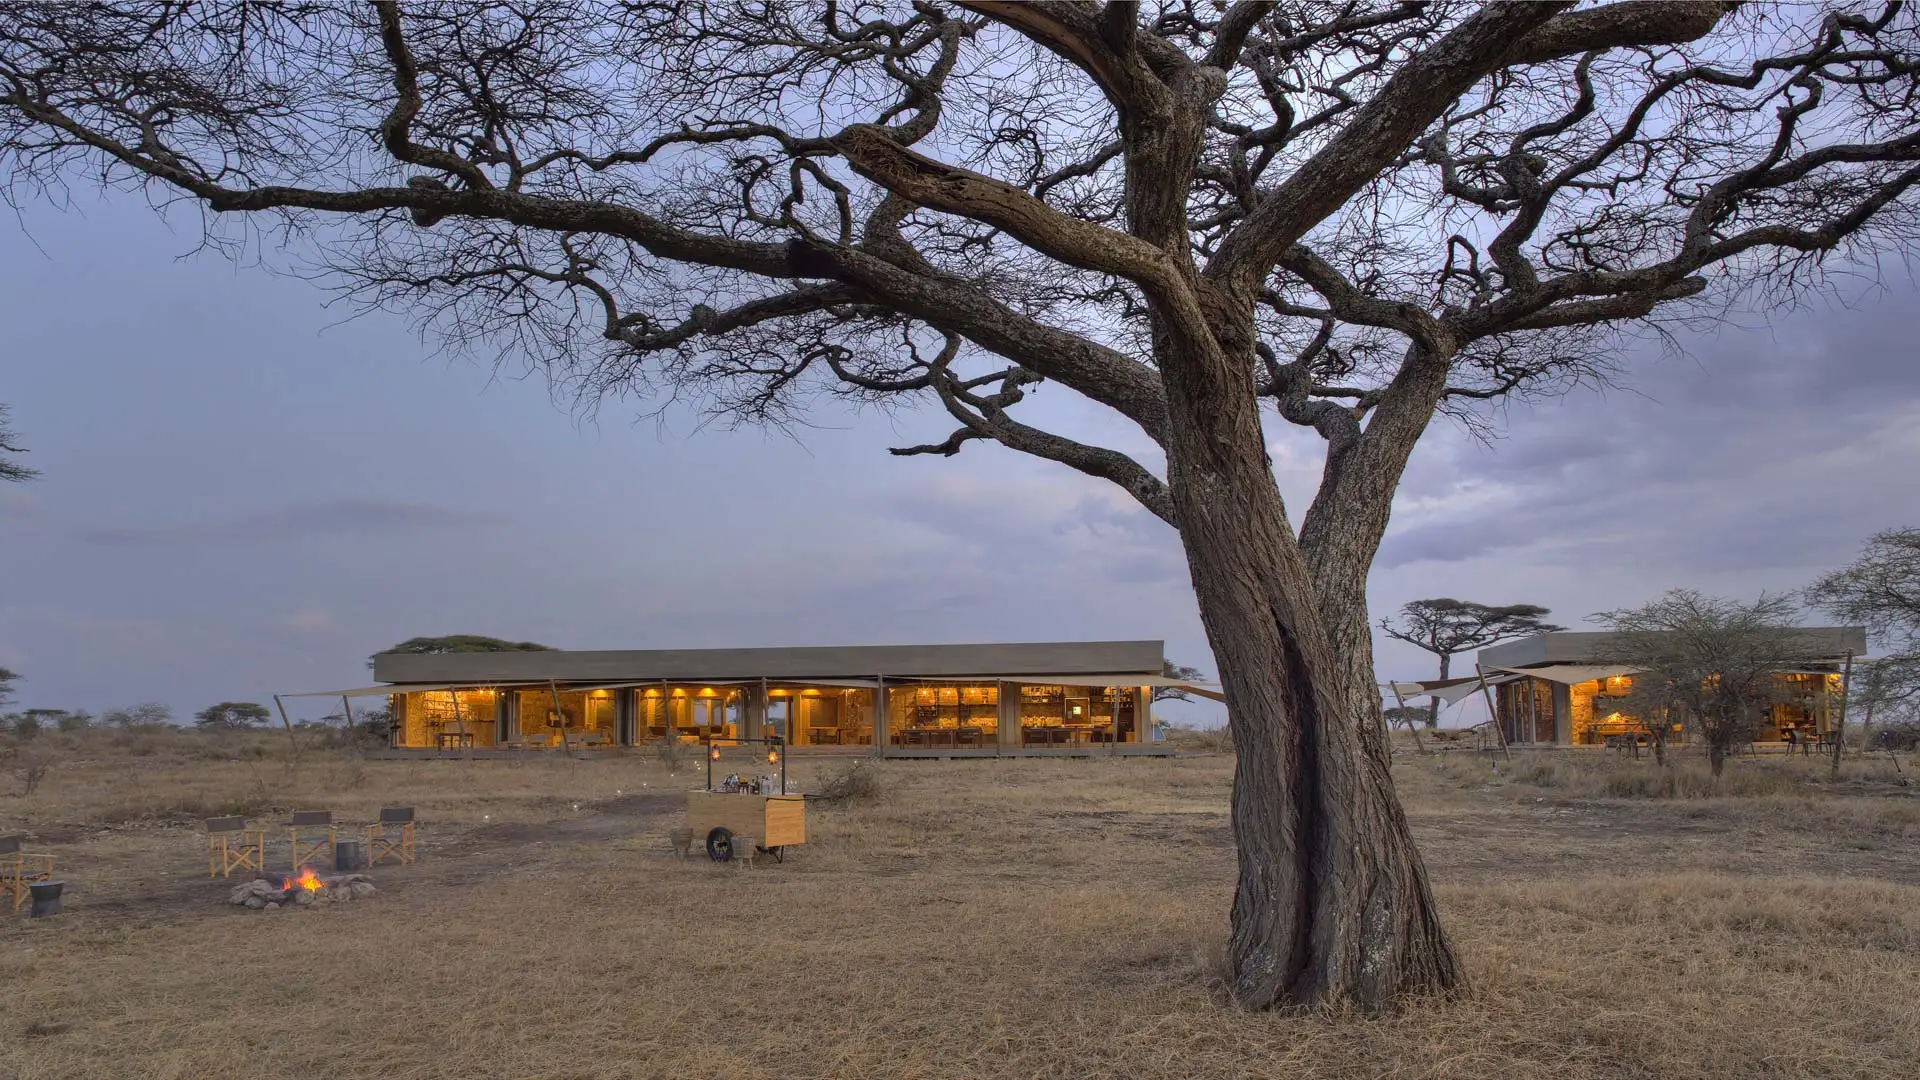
{"points": [[719, 844], [779, 853]]}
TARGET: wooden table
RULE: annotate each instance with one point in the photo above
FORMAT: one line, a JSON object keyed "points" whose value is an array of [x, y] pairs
{"points": [[936, 736]]}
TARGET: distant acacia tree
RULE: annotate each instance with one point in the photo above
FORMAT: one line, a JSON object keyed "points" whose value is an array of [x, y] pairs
{"points": [[1444, 626], [144, 715], [1705, 662], [1200, 218], [1171, 670], [7, 679], [232, 716], [11, 469]]}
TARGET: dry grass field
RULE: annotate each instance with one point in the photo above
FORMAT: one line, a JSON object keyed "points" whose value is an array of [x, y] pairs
{"points": [[972, 919]]}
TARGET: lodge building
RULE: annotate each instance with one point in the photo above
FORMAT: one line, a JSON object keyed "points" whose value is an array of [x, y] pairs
{"points": [[903, 700]]}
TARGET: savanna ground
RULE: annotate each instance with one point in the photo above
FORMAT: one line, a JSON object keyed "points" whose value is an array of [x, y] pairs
{"points": [[1010, 918]]}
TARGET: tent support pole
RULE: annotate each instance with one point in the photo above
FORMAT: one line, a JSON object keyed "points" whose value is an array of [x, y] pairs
{"points": [[460, 725], [346, 708], [292, 740], [1401, 703], [1493, 714], [1840, 724], [565, 746]]}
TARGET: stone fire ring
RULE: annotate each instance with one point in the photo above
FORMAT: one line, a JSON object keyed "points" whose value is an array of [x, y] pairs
{"points": [[260, 894]]}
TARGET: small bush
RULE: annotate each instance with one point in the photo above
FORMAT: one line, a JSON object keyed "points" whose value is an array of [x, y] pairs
{"points": [[858, 782], [31, 766], [672, 752]]}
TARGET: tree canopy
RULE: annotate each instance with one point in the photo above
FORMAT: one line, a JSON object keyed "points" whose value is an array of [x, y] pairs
{"points": [[1879, 590], [10, 467], [232, 716], [465, 643], [1445, 626], [1171, 670], [7, 679]]}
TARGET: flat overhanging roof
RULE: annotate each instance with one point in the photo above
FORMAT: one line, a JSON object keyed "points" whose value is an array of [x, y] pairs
{"points": [[1130, 663]]}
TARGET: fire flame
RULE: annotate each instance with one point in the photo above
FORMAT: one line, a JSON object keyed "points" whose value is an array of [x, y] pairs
{"points": [[307, 880]]}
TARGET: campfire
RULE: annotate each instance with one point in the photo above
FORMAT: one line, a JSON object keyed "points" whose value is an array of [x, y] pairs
{"points": [[307, 889]]}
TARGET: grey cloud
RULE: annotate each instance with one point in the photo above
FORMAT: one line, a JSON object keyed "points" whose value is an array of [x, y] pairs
{"points": [[1755, 449], [332, 517]]}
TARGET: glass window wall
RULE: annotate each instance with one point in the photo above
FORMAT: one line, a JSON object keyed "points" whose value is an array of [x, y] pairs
{"points": [[955, 715], [821, 716], [1052, 715], [431, 719]]}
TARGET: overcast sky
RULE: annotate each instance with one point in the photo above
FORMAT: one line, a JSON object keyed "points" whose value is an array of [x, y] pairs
{"points": [[244, 493]]}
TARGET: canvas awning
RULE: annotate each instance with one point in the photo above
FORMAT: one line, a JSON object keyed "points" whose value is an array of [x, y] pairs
{"points": [[1205, 692], [1447, 691], [404, 688], [1572, 673]]}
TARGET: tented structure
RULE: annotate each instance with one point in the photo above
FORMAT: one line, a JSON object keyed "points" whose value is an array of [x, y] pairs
{"points": [[896, 700], [1558, 689]]}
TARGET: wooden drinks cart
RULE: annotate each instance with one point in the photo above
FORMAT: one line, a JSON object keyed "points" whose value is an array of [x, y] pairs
{"points": [[775, 820]]}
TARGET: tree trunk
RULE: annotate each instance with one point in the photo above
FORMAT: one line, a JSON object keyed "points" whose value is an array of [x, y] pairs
{"points": [[1433, 703], [1716, 757], [1332, 904]]}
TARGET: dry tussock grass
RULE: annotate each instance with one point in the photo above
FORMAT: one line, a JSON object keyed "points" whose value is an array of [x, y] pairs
{"points": [[982, 919]]}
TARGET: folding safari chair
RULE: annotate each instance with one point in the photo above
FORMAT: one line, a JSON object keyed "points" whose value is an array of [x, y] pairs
{"points": [[232, 846], [19, 869], [312, 836], [392, 836]]}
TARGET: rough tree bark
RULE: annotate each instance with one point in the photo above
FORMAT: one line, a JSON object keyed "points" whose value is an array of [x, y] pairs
{"points": [[1332, 902]]}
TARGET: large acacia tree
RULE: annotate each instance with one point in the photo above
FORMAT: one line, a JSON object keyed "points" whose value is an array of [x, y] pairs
{"points": [[1210, 219]]}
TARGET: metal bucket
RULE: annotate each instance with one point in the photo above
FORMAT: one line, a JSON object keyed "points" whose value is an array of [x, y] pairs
{"points": [[46, 898]]}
